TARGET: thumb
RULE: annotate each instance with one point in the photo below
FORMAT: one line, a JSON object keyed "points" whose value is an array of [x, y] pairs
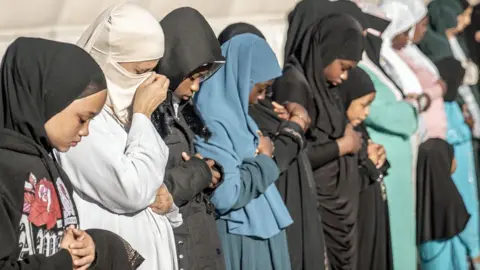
{"points": [[185, 156]]}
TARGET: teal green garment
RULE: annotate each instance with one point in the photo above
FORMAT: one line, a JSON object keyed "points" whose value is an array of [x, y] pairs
{"points": [[392, 123]]}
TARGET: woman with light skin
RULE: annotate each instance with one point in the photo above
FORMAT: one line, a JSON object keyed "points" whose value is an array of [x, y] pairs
{"points": [[39, 225], [118, 171]]}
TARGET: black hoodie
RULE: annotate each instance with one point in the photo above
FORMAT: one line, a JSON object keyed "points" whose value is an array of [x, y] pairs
{"points": [[189, 43], [39, 78]]}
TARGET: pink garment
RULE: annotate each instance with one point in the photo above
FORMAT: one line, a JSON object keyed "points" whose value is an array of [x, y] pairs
{"points": [[435, 117]]}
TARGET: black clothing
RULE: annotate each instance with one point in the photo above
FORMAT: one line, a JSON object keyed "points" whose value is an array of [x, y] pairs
{"points": [[190, 43], [40, 78], [441, 213], [374, 250], [452, 73], [306, 13], [336, 178], [237, 29], [296, 185]]}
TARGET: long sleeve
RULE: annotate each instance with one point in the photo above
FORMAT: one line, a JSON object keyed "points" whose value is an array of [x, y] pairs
{"points": [[122, 177], [388, 114], [256, 175], [9, 221], [321, 154], [288, 144], [187, 180]]}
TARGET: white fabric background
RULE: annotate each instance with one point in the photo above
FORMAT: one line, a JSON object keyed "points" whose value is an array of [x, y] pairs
{"points": [[65, 20]]}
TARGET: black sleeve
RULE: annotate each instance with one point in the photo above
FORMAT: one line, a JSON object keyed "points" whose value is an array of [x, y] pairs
{"points": [[288, 144], [9, 244], [292, 87], [321, 154], [187, 180]]}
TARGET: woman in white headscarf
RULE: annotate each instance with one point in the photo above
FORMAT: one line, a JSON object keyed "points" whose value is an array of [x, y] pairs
{"points": [[118, 171]]}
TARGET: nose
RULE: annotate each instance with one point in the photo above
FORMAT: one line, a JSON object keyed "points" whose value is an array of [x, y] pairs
{"points": [[83, 132], [344, 75], [195, 85]]}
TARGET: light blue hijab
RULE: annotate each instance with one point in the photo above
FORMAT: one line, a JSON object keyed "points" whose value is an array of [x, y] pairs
{"points": [[223, 103]]}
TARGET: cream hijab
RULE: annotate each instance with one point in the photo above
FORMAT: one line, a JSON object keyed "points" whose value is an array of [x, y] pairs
{"points": [[124, 32]]}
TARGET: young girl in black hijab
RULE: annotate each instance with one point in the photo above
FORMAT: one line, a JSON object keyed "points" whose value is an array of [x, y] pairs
{"points": [[321, 61], [374, 251], [286, 127], [192, 55], [49, 91]]}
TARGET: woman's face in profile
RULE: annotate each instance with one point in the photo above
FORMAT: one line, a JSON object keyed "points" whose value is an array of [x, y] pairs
{"points": [[400, 41], [259, 91], [66, 128], [337, 71]]}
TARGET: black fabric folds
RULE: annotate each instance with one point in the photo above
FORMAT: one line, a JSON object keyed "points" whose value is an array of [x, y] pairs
{"points": [[307, 13], [236, 29], [358, 85], [296, 186], [336, 36], [452, 73], [336, 178], [441, 213], [189, 43]]}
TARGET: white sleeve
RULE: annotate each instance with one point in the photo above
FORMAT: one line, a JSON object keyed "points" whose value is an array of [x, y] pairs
{"points": [[121, 178]]}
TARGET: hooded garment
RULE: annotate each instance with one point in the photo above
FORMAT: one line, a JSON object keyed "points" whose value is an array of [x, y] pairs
{"points": [[236, 29], [307, 13], [122, 149], [441, 213], [295, 184], [184, 27], [332, 37], [39, 79], [116, 36], [356, 86], [189, 43], [223, 102], [452, 73]]}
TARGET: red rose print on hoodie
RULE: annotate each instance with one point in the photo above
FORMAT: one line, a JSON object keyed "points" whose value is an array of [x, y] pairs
{"points": [[45, 208]]}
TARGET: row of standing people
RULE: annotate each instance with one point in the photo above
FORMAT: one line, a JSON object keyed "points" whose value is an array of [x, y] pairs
{"points": [[281, 179]]}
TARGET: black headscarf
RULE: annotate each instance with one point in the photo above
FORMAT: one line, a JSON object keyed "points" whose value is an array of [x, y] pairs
{"points": [[236, 29], [452, 73], [307, 13], [332, 37], [441, 212], [39, 79], [189, 43], [358, 85]]}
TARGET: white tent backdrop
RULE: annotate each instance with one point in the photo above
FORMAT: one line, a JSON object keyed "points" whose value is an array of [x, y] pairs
{"points": [[65, 20]]}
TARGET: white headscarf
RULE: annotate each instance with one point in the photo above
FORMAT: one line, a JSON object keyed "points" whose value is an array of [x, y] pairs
{"points": [[402, 19], [124, 32]]}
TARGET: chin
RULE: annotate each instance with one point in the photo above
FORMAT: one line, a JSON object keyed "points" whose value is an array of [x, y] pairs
{"points": [[62, 149]]}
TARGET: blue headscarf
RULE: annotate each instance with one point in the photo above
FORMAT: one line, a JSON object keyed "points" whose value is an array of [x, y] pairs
{"points": [[223, 103]]}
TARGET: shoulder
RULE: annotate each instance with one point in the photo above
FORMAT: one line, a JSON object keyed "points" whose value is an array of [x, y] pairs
{"points": [[17, 170]]}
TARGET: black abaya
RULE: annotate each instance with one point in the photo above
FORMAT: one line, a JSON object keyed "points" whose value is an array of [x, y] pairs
{"points": [[336, 178], [441, 212], [374, 251]]}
